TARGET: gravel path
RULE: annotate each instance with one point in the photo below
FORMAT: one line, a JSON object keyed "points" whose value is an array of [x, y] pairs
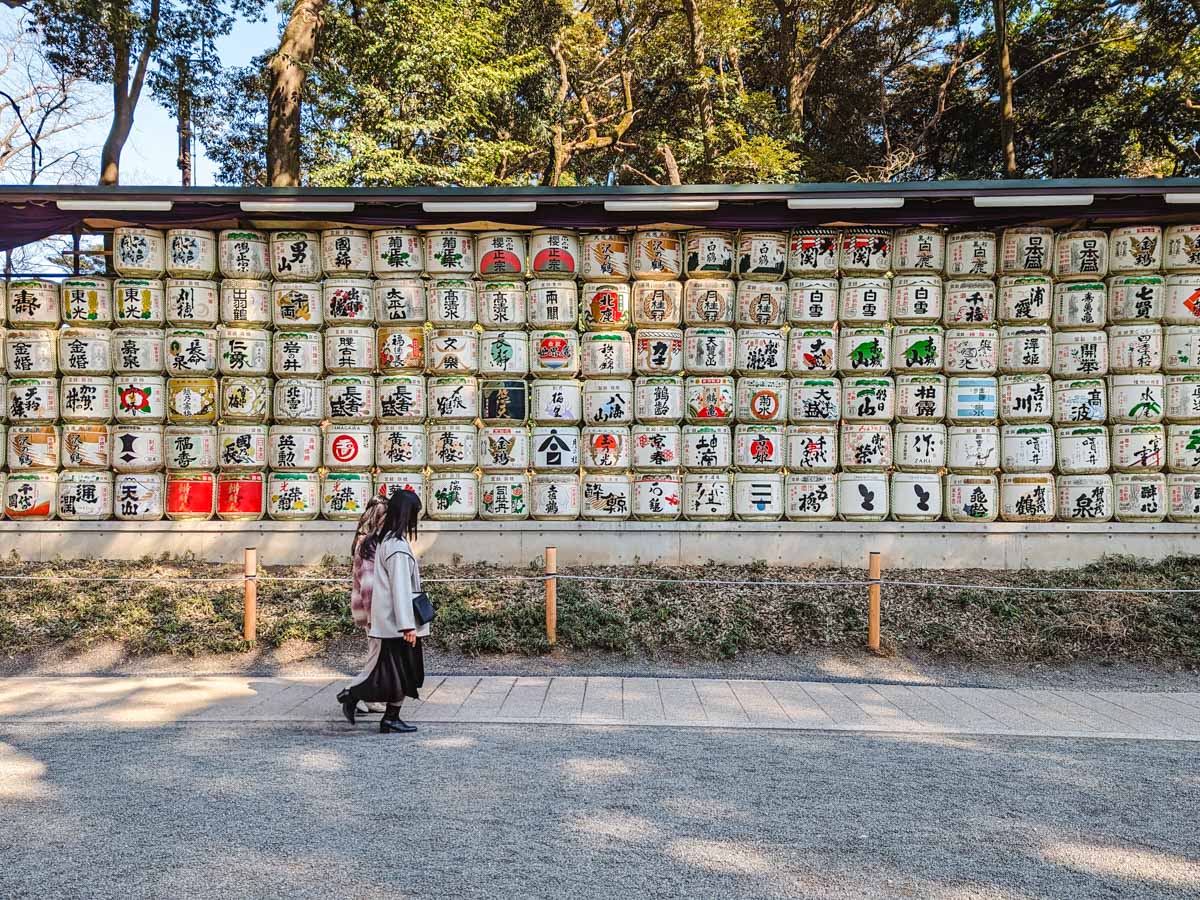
{"points": [[530, 812]]}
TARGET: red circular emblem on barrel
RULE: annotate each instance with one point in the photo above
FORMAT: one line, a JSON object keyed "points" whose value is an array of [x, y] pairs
{"points": [[345, 448]]}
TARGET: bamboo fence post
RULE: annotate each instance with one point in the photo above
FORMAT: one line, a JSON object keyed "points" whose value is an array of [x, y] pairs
{"points": [[551, 595], [250, 595], [873, 612]]}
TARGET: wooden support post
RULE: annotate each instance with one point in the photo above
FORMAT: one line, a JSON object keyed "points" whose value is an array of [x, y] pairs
{"points": [[250, 600], [873, 614], [551, 595]]}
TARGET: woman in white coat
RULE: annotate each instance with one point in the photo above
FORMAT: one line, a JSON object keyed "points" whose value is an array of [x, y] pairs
{"points": [[395, 666]]}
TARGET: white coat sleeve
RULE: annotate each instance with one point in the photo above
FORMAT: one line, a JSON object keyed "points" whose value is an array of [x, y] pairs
{"points": [[401, 573]]}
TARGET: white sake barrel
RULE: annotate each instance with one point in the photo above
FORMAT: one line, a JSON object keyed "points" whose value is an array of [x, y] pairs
{"points": [[1080, 255], [866, 446], [1026, 250], [813, 302], [866, 251], [294, 496], [811, 351], [138, 350], [758, 496], [762, 304], [84, 351], [1026, 349], [864, 351], [247, 399], [920, 398], [658, 399], [1080, 401], [138, 252], [1183, 448], [554, 353], [140, 398], [1080, 305], [348, 301], [813, 251], [707, 497], [83, 446], [969, 302], [397, 251], [1182, 398], [295, 255], [297, 354], [241, 496], [32, 401], [1027, 448], [401, 348], [814, 400], [1082, 450], [504, 497], [452, 303], [1134, 249], [191, 303], [351, 349], [759, 448], [1025, 398], [403, 300], [709, 253], [1139, 448], [656, 447], [971, 254], [606, 354], [138, 448], [501, 304], [85, 496], [1134, 299], [707, 448], [812, 448], [190, 351], [344, 495], [192, 401], [297, 305], [401, 398], [1181, 349], [972, 351], [453, 447], [606, 448], [1084, 498], [762, 255], [242, 448], [503, 448], [919, 249], [349, 446], [761, 351], [346, 251], [868, 399], [762, 400], [189, 447], [553, 303], [917, 299], [606, 257], [452, 398], [295, 447], [1182, 244], [244, 351], [709, 351], [1183, 498], [554, 401], [32, 352], [30, 496], [1134, 349], [709, 302], [658, 351], [810, 497], [87, 300], [33, 447], [33, 303], [243, 254], [503, 353], [657, 303], [657, 498], [1140, 497], [1027, 498], [139, 497], [863, 496], [917, 348], [247, 302], [388, 483], [555, 498], [916, 496], [606, 496], [500, 254], [657, 254], [554, 253], [1080, 354], [919, 447], [351, 398], [864, 301], [1136, 399], [1025, 299], [401, 447], [710, 399], [972, 401], [971, 498], [191, 253], [1181, 300], [555, 448], [973, 448]]}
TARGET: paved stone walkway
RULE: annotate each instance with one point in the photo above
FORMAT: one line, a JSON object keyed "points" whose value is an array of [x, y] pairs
{"points": [[135, 701]]}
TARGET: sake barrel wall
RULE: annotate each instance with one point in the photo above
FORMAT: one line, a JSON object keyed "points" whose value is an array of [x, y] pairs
{"points": [[867, 375]]}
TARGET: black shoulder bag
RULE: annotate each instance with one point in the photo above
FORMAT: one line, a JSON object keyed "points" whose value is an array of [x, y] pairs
{"points": [[423, 610]]}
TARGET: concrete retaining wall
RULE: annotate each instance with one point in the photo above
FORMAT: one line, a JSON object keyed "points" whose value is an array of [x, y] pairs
{"points": [[903, 545]]}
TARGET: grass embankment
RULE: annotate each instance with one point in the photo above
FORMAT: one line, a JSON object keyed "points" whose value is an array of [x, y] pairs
{"points": [[153, 615]]}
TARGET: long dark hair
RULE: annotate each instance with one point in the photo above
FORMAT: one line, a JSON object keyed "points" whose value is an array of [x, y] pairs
{"points": [[403, 511]]}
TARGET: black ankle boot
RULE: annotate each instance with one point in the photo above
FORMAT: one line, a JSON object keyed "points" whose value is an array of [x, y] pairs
{"points": [[395, 726], [349, 705]]}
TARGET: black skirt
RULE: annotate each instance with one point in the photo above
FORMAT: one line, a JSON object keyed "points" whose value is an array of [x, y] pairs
{"points": [[399, 672]]}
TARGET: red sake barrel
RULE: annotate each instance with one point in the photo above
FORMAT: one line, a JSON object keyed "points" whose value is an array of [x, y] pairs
{"points": [[191, 495], [241, 496]]}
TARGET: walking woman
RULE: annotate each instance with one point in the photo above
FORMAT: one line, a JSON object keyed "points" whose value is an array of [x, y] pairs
{"points": [[395, 666], [362, 558]]}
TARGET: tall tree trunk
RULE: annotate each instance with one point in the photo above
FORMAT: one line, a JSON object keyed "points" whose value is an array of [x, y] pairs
{"points": [[1008, 125], [287, 70], [183, 103], [704, 104], [126, 92]]}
